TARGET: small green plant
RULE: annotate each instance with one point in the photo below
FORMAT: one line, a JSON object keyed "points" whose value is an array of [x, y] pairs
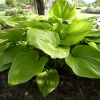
{"points": [[35, 47]]}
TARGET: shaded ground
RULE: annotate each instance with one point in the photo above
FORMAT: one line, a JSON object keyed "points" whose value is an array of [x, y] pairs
{"points": [[71, 87]]}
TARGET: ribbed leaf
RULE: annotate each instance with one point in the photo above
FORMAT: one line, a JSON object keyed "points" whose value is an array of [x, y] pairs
{"points": [[13, 34], [63, 9], [79, 26], [94, 36], [25, 66], [9, 54], [94, 33], [47, 81], [13, 20], [85, 61], [38, 24], [17, 18], [73, 39], [47, 41], [92, 44], [76, 31]]}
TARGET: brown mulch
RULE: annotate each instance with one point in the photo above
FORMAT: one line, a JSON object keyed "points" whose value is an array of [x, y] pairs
{"points": [[70, 87]]}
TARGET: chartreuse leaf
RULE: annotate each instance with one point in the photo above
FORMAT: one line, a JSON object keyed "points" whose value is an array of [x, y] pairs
{"points": [[94, 36], [63, 9], [61, 30], [13, 34], [13, 20], [85, 61], [47, 81], [76, 31], [53, 19], [38, 24], [8, 54], [17, 18], [92, 44], [47, 41], [73, 39], [94, 33], [79, 25], [25, 66]]}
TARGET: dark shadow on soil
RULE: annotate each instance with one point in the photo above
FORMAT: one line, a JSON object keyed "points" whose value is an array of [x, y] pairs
{"points": [[71, 87]]}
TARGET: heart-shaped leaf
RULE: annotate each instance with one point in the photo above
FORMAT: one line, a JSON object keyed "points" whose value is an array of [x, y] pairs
{"points": [[85, 61], [47, 41], [25, 66], [47, 81]]}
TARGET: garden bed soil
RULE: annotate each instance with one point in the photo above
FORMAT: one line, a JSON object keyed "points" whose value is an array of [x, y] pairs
{"points": [[70, 87]]}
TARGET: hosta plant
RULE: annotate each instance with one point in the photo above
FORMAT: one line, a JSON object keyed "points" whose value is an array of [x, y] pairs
{"points": [[34, 47]]}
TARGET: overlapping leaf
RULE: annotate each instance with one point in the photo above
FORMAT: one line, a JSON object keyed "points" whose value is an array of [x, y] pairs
{"points": [[47, 81], [85, 61], [8, 55], [38, 24], [13, 20], [63, 9], [94, 36], [13, 34], [25, 66], [77, 30], [17, 18], [47, 41]]}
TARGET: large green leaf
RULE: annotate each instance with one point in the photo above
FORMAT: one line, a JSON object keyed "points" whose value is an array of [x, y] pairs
{"points": [[17, 18], [47, 41], [25, 66], [94, 33], [94, 36], [92, 44], [85, 61], [13, 20], [8, 55], [76, 31], [73, 39], [63, 9], [93, 39], [13, 34], [47, 81], [38, 24], [79, 25]]}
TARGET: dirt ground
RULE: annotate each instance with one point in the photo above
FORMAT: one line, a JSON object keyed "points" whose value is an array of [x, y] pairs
{"points": [[70, 87]]}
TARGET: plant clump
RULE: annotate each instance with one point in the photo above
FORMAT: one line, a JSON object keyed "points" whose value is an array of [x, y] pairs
{"points": [[39, 46]]}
